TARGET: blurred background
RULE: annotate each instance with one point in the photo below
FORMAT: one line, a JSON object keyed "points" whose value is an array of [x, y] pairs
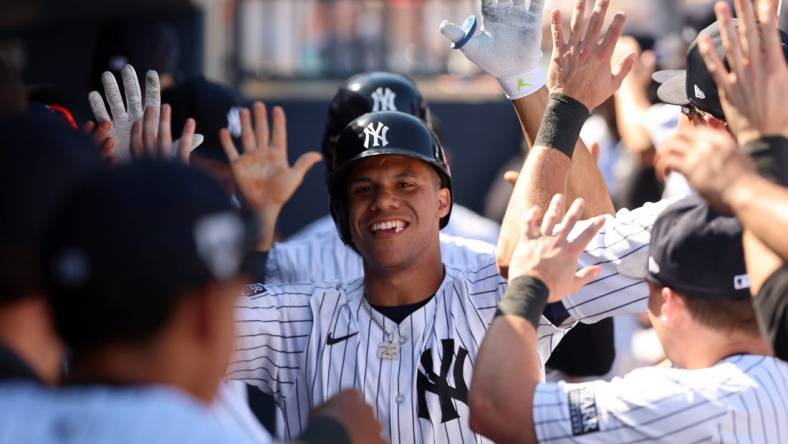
{"points": [[296, 52]]}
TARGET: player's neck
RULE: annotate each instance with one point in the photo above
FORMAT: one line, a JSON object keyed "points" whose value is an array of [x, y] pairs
{"points": [[707, 348], [151, 364], [410, 285], [26, 329]]}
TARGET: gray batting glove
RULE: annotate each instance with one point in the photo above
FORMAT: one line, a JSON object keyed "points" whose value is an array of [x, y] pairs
{"points": [[508, 46], [122, 117]]}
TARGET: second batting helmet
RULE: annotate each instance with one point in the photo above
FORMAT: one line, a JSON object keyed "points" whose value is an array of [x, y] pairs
{"points": [[370, 92], [388, 133]]}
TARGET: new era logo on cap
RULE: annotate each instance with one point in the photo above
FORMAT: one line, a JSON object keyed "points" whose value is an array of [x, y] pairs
{"points": [[699, 93], [741, 282]]}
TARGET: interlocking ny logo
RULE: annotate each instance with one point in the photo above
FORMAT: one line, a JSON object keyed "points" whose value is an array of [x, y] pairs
{"points": [[378, 134], [384, 100], [428, 381]]}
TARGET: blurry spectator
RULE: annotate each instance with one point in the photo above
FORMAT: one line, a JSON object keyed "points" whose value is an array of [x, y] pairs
{"points": [[40, 158]]}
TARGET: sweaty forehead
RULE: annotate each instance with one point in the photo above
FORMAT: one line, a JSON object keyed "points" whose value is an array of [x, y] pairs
{"points": [[379, 167]]}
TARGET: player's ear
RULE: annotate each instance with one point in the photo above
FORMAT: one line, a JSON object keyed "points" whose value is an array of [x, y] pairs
{"points": [[674, 309], [444, 202]]}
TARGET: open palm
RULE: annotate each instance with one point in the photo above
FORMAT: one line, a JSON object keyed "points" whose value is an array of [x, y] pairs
{"points": [[262, 173]]}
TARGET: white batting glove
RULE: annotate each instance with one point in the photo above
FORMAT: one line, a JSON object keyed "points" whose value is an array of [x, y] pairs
{"points": [[508, 46], [122, 118]]}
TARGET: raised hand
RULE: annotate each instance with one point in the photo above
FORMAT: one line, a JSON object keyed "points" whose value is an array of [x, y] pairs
{"points": [[545, 251], [153, 136], [508, 46], [709, 159], [122, 121], [122, 118], [261, 172], [580, 66], [754, 91]]}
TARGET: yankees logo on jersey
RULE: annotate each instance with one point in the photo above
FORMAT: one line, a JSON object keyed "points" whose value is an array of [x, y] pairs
{"points": [[305, 343], [438, 384]]}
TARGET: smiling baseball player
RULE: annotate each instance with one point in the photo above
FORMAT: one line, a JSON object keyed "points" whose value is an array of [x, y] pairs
{"points": [[316, 253]]}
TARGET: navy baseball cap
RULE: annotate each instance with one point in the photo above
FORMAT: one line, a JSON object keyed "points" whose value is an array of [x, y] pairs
{"points": [[128, 243], [697, 252], [695, 85]]}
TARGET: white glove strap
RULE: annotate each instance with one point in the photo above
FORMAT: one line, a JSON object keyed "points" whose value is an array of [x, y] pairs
{"points": [[521, 85]]}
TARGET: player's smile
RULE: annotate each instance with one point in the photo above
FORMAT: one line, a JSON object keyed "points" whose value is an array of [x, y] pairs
{"points": [[388, 228]]}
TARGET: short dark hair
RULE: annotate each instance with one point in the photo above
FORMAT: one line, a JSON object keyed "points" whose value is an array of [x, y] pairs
{"points": [[722, 314]]}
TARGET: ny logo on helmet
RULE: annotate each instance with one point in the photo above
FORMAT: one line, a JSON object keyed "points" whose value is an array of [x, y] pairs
{"points": [[384, 100], [378, 134]]}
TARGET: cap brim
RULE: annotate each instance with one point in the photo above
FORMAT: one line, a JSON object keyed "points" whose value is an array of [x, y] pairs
{"points": [[674, 90], [665, 75]]}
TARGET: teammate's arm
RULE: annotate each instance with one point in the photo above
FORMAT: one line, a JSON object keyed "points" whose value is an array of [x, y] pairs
{"points": [[507, 370], [262, 172], [579, 80]]}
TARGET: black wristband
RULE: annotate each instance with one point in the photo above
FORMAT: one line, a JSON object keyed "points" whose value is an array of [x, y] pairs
{"points": [[324, 430], [526, 297], [770, 155], [563, 119]]}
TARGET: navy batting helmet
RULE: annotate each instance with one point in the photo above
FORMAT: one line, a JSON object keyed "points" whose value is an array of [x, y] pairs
{"points": [[369, 92], [387, 133]]}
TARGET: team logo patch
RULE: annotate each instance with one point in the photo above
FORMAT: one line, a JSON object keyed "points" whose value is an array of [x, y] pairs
{"points": [[376, 133], [582, 411], [384, 100], [438, 383]]}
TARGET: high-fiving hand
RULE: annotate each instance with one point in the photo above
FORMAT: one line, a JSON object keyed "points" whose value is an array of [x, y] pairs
{"points": [[123, 118], [754, 91], [545, 251], [509, 45], [262, 173], [580, 65]]}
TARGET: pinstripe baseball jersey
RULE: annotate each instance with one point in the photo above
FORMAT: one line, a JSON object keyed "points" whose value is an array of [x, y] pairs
{"points": [[321, 256], [742, 399], [98, 414], [305, 343]]}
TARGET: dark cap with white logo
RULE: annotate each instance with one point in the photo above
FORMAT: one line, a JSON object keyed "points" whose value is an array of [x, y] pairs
{"points": [[697, 252], [130, 242], [695, 86]]}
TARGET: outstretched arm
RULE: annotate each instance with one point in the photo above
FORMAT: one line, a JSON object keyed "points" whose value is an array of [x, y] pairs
{"points": [[579, 80], [507, 371], [509, 47]]}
